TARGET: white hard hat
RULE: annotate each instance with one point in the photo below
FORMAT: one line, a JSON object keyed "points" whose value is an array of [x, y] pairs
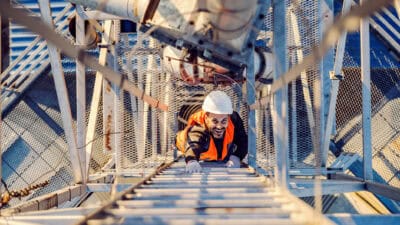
{"points": [[217, 102]]}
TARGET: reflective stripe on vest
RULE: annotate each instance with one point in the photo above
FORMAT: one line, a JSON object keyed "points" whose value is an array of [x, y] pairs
{"points": [[198, 119]]}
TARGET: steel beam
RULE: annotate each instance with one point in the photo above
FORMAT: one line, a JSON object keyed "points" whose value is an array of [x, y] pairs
{"points": [[106, 187], [336, 77], [384, 190], [354, 219], [305, 187], [279, 110], [325, 68], [94, 107], [62, 95], [80, 94], [118, 122], [366, 97], [251, 97]]}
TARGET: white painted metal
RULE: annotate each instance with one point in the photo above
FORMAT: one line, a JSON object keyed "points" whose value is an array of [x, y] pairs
{"points": [[22, 66], [279, 105], [303, 78], [34, 42], [385, 34], [81, 94], [395, 32], [108, 115], [306, 187], [337, 70], [366, 97], [94, 107], [222, 200], [326, 12], [251, 120], [98, 15], [133, 9], [118, 102], [62, 95], [391, 16]]}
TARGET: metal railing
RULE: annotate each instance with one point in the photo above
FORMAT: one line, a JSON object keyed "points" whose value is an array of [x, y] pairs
{"points": [[29, 64]]}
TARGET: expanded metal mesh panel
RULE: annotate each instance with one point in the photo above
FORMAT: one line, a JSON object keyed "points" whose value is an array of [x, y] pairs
{"points": [[34, 144], [385, 105], [264, 128], [148, 133], [304, 93], [142, 126], [34, 152]]}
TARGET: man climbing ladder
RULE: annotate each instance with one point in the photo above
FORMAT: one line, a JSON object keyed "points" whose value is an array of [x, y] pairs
{"points": [[215, 133]]}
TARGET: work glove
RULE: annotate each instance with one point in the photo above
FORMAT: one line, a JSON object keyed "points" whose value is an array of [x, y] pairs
{"points": [[234, 162], [193, 167]]}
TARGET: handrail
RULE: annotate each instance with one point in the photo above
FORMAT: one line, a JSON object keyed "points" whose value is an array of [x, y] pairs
{"points": [[384, 34], [388, 25], [391, 16], [33, 44], [37, 51]]}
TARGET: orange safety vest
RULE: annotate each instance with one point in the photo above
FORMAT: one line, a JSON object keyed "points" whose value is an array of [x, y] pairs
{"points": [[211, 154]]}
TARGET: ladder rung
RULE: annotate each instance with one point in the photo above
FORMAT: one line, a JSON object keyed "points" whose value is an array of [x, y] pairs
{"points": [[199, 178], [243, 182], [149, 190], [263, 195], [212, 175], [226, 203], [191, 211], [196, 215], [224, 221]]}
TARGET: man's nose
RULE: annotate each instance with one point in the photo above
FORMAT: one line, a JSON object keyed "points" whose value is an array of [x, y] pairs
{"points": [[219, 125]]}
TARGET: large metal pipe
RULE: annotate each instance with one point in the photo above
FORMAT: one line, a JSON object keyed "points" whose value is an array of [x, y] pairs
{"points": [[199, 71], [230, 19], [132, 9]]}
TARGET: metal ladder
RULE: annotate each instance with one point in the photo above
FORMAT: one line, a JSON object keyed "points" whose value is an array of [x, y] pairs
{"points": [[170, 196], [215, 196]]}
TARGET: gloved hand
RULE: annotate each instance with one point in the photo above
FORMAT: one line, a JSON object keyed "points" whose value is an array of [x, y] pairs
{"points": [[234, 162], [193, 167]]}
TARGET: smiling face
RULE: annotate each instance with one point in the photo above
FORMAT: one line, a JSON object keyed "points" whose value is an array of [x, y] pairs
{"points": [[216, 124]]}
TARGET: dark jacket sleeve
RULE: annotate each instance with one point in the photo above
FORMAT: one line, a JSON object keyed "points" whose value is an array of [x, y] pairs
{"points": [[240, 136], [198, 141]]}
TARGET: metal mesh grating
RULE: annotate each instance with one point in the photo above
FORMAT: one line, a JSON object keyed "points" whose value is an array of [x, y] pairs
{"points": [[385, 79], [264, 133], [149, 133], [304, 93]]}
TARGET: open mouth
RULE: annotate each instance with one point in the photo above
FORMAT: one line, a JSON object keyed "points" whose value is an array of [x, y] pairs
{"points": [[218, 132]]}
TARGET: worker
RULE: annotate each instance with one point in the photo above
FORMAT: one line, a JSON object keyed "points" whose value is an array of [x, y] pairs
{"points": [[215, 133]]}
